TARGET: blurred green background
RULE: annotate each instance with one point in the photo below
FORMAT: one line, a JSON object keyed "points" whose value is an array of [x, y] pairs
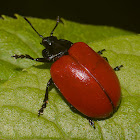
{"points": [[119, 13]]}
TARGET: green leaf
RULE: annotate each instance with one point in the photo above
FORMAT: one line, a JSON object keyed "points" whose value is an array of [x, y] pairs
{"points": [[23, 82]]}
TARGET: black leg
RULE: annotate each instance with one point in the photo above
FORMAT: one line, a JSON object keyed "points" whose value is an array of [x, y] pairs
{"points": [[31, 58], [45, 101], [105, 58], [101, 51], [118, 68], [91, 122]]}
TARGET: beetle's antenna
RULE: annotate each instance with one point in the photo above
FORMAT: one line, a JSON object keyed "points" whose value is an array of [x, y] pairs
{"points": [[32, 27], [57, 21]]}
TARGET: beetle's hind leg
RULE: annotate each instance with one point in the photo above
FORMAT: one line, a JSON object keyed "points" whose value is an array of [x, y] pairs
{"points": [[101, 52], [45, 101], [117, 68], [91, 122]]}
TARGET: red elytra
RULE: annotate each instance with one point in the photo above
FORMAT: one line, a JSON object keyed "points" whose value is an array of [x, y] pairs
{"points": [[87, 81]]}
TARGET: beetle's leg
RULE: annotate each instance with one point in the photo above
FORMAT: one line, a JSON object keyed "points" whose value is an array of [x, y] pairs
{"points": [[45, 101], [105, 58], [91, 122], [101, 51], [118, 68], [31, 58]]}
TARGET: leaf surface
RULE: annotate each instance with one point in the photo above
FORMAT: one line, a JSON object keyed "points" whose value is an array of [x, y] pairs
{"points": [[23, 82]]}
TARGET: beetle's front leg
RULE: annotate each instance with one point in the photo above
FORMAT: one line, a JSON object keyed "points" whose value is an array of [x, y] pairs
{"points": [[45, 101], [31, 58]]}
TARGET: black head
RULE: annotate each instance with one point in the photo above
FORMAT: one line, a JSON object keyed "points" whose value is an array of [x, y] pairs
{"points": [[54, 48], [48, 41]]}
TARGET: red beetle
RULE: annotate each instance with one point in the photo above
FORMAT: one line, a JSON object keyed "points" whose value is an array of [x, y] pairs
{"points": [[85, 78]]}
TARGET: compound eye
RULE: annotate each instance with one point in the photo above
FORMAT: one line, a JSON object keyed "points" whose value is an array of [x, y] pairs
{"points": [[45, 42], [45, 39], [49, 41]]}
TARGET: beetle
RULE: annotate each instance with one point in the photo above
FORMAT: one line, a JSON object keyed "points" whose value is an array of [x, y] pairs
{"points": [[83, 76]]}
